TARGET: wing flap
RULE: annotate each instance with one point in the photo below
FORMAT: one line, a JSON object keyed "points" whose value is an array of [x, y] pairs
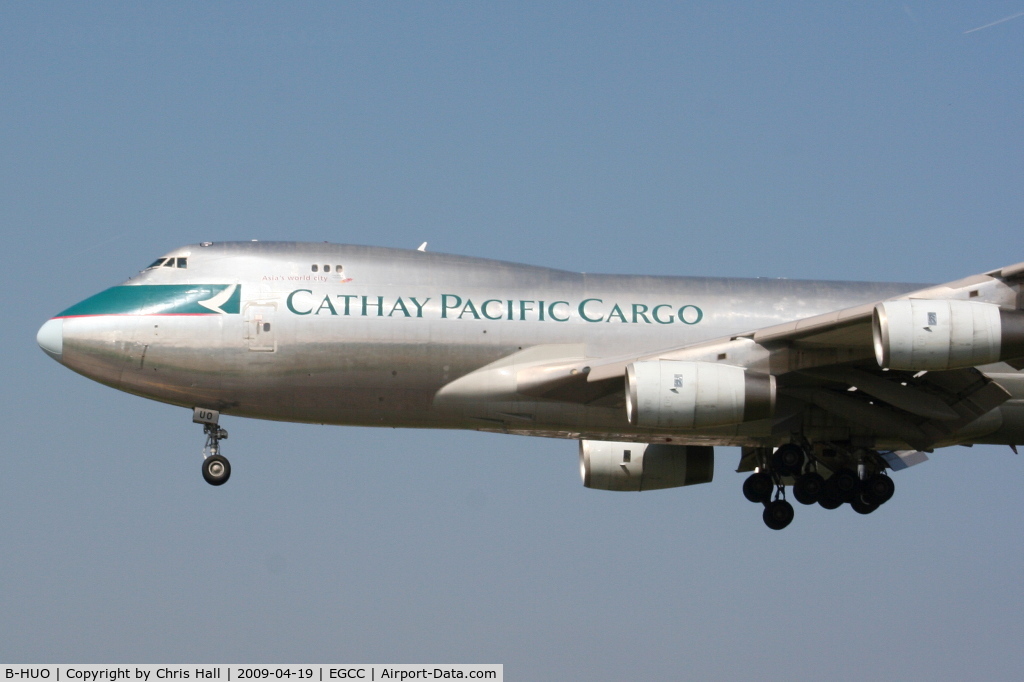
{"points": [[930, 409], [898, 394], [864, 413]]}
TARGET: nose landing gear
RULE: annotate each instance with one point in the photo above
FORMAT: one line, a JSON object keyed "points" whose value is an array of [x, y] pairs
{"points": [[216, 468]]}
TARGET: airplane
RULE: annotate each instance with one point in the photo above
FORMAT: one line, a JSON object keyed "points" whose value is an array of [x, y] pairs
{"points": [[826, 387]]}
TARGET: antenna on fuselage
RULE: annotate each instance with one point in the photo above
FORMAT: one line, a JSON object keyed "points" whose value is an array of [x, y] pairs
{"points": [[423, 247]]}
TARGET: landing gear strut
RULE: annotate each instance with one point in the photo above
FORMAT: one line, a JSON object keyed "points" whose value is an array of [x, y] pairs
{"points": [[216, 468]]}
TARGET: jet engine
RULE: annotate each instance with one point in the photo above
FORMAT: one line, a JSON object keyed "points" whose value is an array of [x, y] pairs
{"points": [[693, 395], [642, 466], [921, 334]]}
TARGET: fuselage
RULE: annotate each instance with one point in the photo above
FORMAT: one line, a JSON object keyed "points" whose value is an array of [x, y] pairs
{"points": [[359, 335]]}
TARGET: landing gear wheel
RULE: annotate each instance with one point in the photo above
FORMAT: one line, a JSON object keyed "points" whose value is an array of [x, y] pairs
{"points": [[788, 459], [808, 487], [862, 506], [758, 488], [827, 501], [216, 470], [778, 514], [842, 486], [878, 489]]}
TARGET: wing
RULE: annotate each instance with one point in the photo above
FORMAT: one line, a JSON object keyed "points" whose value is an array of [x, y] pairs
{"points": [[830, 362]]}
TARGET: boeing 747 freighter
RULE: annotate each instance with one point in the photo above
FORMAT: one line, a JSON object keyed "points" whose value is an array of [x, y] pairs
{"points": [[827, 387]]}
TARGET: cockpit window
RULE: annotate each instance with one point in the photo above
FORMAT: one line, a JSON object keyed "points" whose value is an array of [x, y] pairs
{"points": [[169, 263]]}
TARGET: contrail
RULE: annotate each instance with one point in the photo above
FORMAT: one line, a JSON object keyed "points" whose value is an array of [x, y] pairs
{"points": [[1014, 16]]}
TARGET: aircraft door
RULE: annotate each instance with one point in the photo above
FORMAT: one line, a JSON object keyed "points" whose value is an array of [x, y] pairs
{"points": [[260, 330]]}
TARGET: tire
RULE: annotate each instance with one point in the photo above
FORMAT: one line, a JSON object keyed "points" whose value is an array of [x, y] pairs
{"points": [[827, 501], [216, 470], [862, 506], [758, 488], [788, 460], [808, 488], [778, 514], [843, 485], [878, 489]]}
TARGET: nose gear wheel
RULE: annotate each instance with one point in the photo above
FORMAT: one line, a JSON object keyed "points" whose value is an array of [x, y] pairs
{"points": [[216, 468]]}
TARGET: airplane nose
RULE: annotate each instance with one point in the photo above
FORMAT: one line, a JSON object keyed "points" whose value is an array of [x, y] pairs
{"points": [[51, 338]]}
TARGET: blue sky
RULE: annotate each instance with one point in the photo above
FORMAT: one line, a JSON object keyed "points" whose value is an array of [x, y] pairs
{"points": [[859, 141]]}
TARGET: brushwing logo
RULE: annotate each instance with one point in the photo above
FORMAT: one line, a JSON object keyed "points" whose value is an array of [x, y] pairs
{"points": [[216, 304]]}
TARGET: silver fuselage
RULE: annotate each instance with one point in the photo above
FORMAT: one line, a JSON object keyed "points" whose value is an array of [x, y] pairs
{"points": [[383, 336]]}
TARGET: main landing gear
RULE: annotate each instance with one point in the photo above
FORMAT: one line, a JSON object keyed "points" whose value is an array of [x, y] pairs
{"points": [[857, 479], [216, 468]]}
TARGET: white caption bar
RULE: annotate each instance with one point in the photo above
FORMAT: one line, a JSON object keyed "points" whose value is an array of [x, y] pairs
{"points": [[245, 673]]}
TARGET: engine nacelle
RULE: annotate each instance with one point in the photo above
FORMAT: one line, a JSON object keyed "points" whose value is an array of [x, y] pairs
{"points": [[693, 395], [920, 334], [643, 466]]}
